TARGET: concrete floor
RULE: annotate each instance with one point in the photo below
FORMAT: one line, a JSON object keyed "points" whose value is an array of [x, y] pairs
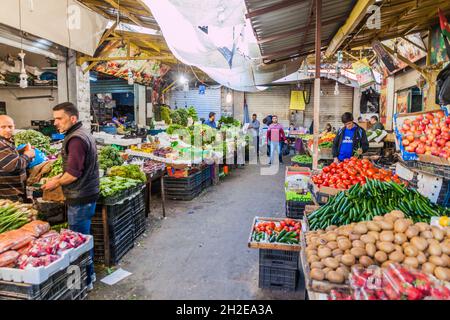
{"points": [[200, 250]]}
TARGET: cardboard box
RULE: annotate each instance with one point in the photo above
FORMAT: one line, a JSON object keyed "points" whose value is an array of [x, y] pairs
{"points": [[365, 125], [326, 190], [291, 170], [433, 159]]}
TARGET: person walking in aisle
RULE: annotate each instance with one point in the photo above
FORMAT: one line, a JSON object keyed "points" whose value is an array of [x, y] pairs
{"points": [[254, 127], [275, 139]]}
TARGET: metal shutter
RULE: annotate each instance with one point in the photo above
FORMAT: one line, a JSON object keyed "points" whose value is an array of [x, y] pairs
{"points": [[203, 103], [331, 107], [111, 86], [274, 100]]}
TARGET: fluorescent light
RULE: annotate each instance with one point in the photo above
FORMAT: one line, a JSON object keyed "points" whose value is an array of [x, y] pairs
{"points": [[229, 97], [182, 79]]}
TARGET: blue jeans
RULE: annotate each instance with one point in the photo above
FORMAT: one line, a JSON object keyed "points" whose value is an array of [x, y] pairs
{"points": [[79, 217], [275, 146]]}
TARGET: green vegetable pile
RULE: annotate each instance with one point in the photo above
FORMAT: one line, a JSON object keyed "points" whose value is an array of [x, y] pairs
{"points": [[131, 171], [375, 198], [192, 113], [203, 133], [294, 196], [35, 139], [179, 116], [57, 168], [165, 114], [229, 122], [110, 186], [61, 226], [302, 159], [109, 157], [12, 218], [326, 145]]}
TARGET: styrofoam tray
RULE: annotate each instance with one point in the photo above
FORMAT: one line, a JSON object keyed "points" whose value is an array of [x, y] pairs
{"points": [[34, 275], [75, 253]]}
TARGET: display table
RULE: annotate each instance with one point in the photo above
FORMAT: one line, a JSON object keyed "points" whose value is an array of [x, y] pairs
{"points": [[150, 179]]}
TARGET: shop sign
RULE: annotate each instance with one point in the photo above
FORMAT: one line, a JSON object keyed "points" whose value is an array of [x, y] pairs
{"points": [[364, 74], [297, 100]]}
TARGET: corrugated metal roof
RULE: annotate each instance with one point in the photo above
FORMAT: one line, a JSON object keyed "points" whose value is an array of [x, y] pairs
{"points": [[285, 28]]}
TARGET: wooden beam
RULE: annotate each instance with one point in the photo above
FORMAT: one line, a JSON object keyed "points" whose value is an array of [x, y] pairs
{"points": [[414, 44], [275, 7], [350, 55], [107, 33], [98, 59], [125, 12], [316, 108], [99, 11]]}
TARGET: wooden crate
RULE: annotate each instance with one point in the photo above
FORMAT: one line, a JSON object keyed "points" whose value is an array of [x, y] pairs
{"points": [[272, 246], [314, 285]]}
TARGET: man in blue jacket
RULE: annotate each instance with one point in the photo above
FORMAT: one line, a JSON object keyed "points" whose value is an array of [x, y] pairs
{"points": [[350, 140]]}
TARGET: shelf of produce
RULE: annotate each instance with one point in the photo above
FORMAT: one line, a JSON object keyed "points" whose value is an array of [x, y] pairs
{"points": [[164, 160], [272, 246]]}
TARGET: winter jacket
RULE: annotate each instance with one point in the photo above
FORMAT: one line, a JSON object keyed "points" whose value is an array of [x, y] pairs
{"points": [[276, 129]]}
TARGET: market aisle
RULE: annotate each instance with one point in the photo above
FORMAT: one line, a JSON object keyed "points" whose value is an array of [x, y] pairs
{"points": [[200, 251]]}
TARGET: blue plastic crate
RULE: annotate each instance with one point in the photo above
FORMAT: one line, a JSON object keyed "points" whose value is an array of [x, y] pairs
{"points": [[58, 136]]}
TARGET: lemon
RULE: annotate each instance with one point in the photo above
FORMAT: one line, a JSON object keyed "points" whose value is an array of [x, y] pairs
{"points": [[444, 221]]}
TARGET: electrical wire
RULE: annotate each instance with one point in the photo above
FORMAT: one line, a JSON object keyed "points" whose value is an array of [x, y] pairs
{"points": [[197, 77]]}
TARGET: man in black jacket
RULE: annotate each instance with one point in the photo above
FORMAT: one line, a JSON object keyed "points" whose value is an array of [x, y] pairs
{"points": [[350, 140]]}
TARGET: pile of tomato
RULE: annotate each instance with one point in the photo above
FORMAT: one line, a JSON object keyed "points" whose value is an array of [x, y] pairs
{"points": [[351, 171], [270, 226]]}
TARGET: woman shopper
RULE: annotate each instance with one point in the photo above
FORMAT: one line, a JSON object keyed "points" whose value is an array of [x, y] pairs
{"points": [[275, 139]]}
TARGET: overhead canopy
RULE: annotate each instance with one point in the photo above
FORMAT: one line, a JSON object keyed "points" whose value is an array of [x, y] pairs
{"points": [[398, 18], [285, 28]]}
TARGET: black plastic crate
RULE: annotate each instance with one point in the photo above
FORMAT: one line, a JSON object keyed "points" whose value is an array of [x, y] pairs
{"points": [[188, 183], [296, 209], [279, 258], [278, 278], [184, 195], [118, 248], [55, 288], [115, 229]]}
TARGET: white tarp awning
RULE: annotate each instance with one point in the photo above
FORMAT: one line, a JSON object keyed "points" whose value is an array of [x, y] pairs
{"points": [[67, 23], [226, 50]]}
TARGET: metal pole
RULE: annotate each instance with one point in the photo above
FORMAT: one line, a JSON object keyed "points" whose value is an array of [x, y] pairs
{"points": [[317, 84]]}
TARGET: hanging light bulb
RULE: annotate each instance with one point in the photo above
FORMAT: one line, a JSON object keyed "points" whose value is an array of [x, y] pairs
{"points": [[130, 77], [23, 73], [336, 89], [229, 97]]}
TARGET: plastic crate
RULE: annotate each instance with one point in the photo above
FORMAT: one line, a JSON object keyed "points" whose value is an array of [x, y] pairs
{"points": [[118, 248], [279, 258], [183, 195], [55, 288], [303, 165], [277, 278], [188, 183], [296, 209]]}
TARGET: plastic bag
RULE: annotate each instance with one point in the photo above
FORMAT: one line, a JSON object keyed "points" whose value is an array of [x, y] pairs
{"points": [[39, 157], [7, 258], [15, 239], [36, 228]]}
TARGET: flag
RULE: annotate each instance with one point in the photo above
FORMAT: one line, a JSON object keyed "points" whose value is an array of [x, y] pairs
{"points": [[246, 113], [445, 27]]}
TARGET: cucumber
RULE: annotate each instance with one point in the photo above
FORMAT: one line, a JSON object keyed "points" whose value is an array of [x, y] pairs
{"points": [[280, 235]]}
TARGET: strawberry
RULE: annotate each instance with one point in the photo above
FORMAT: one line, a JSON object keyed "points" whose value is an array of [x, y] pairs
{"points": [[423, 286], [413, 294]]}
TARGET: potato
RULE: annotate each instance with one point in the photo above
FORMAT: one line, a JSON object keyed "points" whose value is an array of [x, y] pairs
{"points": [[412, 231], [348, 259], [400, 226], [437, 261], [398, 248], [420, 243], [445, 246], [387, 236], [324, 252], [312, 259], [405, 244], [386, 225], [343, 271], [317, 265], [338, 257], [331, 263], [365, 261], [446, 259], [344, 232], [427, 234], [428, 267], [433, 241], [370, 249], [344, 244], [411, 251], [373, 226], [397, 214], [400, 238], [434, 250], [374, 234], [317, 274], [397, 256], [353, 236], [411, 261], [438, 234], [337, 252], [367, 238], [421, 257], [380, 256], [332, 245], [326, 270], [387, 263], [422, 226], [442, 273], [335, 277], [360, 228], [378, 219], [331, 236], [330, 228], [387, 247], [358, 252], [311, 252], [358, 244]]}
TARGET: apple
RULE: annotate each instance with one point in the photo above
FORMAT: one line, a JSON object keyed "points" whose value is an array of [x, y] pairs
{"points": [[440, 114], [423, 139], [407, 122], [441, 142], [429, 116], [420, 150], [419, 117], [406, 127], [436, 120], [416, 123], [405, 142], [447, 121], [410, 137], [428, 153], [426, 121], [436, 131]]}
